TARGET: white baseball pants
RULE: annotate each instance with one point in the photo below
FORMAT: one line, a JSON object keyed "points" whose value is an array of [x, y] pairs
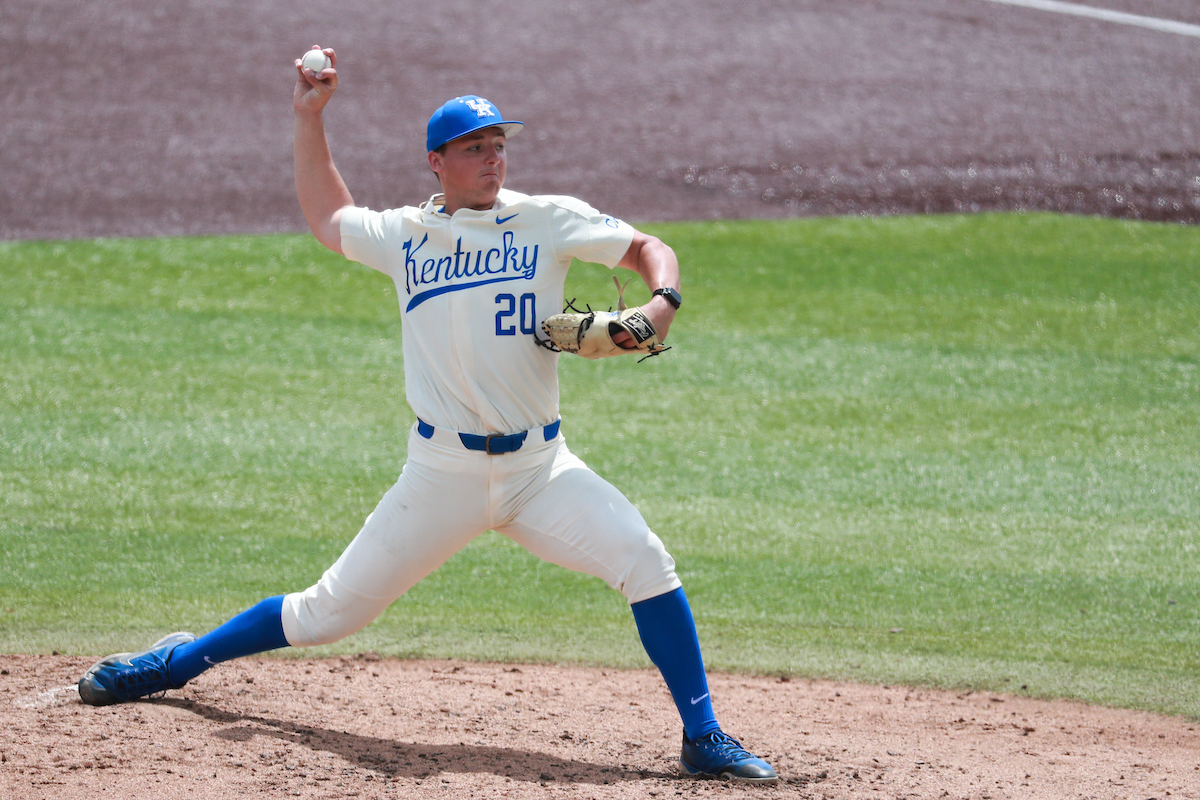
{"points": [[541, 496]]}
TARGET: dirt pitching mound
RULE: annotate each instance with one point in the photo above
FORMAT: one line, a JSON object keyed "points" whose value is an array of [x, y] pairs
{"points": [[369, 727]]}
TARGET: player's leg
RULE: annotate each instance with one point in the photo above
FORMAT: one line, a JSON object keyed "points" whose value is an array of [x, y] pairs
{"points": [[571, 516], [580, 521], [437, 507], [177, 658], [429, 514], [255, 630], [668, 633]]}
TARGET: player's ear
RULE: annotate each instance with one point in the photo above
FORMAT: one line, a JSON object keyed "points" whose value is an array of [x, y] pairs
{"points": [[435, 161]]}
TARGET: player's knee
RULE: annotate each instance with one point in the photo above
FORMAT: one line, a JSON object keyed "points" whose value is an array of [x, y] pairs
{"points": [[651, 572], [319, 616]]}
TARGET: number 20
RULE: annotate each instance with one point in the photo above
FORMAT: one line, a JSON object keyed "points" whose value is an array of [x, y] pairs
{"points": [[509, 307]]}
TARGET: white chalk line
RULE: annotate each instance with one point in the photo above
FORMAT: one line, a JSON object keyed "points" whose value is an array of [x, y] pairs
{"points": [[1119, 17], [51, 697]]}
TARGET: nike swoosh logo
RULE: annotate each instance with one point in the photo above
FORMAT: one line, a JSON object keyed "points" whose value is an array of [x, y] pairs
{"points": [[502, 220], [698, 699], [208, 660]]}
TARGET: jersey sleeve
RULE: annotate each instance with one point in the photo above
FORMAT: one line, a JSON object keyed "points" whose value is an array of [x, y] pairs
{"points": [[588, 235], [363, 234]]}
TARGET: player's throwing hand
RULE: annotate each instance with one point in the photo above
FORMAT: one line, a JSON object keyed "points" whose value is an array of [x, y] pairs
{"points": [[313, 90]]}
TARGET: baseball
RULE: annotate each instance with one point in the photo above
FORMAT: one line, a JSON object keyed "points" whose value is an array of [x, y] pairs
{"points": [[316, 61]]}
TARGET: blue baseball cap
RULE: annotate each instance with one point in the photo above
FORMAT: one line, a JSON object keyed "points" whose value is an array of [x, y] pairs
{"points": [[464, 115]]}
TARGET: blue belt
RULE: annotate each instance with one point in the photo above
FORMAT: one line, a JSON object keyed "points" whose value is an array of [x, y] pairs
{"points": [[496, 444]]}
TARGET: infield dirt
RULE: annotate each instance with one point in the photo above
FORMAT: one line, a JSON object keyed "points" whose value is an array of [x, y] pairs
{"points": [[368, 727]]}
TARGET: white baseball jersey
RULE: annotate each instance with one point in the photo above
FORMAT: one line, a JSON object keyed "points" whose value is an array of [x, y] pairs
{"points": [[474, 288]]}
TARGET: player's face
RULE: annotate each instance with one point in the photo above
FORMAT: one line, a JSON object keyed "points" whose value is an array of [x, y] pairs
{"points": [[472, 169]]}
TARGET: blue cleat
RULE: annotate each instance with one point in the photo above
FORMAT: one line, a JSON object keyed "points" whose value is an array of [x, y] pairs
{"points": [[719, 755], [124, 677]]}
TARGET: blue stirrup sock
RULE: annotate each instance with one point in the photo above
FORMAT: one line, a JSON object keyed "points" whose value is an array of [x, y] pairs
{"points": [[668, 633], [255, 630], [665, 624]]}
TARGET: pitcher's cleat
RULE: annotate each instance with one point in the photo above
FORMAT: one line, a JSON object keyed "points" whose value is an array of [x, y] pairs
{"points": [[719, 755], [124, 677]]}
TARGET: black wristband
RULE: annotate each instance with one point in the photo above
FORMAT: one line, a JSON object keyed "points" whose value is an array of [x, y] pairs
{"points": [[672, 295]]}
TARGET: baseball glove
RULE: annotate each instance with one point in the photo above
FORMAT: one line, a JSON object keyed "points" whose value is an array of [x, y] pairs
{"points": [[591, 334]]}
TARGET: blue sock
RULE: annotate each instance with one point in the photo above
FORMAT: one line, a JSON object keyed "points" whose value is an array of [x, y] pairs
{"points": [[669, 635], [255, 630]]}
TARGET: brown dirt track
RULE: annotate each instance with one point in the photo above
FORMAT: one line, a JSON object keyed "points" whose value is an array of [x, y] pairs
{"points": [[133, 118]]}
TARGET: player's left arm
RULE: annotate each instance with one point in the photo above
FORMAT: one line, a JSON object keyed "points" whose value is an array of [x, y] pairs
{"points": [[656, 263]]}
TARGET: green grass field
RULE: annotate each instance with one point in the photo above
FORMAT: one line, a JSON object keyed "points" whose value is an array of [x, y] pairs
{"points": [[957, 451]]}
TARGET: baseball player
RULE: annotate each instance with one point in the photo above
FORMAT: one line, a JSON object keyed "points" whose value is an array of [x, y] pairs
{"points": [[477, 268]]}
